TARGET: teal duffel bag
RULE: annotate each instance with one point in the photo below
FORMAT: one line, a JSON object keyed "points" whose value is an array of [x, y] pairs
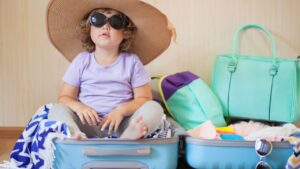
{"points": [[189, 100], [256, 87]]}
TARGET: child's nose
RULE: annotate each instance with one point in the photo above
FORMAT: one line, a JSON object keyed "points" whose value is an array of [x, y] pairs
{"points": [[106, 26]]}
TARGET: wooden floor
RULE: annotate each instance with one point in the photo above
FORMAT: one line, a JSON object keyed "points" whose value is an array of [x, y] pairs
{"points": [[8, 138], [6, 145]]}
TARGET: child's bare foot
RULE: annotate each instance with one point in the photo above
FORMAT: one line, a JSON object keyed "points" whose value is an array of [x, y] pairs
{"points": [[79, 136], [135, 130]]}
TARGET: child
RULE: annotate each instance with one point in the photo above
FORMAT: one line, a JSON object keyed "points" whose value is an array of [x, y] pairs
{"points": [[106, 89]]}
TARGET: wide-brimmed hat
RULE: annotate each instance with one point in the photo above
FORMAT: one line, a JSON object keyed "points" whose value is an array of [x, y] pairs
{"points": [[153, 34]]}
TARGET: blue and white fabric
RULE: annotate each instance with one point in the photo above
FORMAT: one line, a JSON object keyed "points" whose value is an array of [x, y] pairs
{"points": [[34, 149]]}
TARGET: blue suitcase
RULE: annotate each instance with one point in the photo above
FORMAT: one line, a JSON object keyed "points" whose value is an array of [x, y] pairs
{"points": [[159, 153], [222, 154]]}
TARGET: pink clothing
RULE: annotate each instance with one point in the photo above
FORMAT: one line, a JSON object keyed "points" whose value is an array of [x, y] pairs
{"points": [[105, 87]]}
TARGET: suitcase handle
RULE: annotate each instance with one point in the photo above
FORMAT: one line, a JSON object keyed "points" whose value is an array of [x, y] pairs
{"points": [[114, 165], [142, 151]]}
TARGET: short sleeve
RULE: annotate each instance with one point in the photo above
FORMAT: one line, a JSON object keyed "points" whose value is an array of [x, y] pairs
{"points": [[73, 74], [140, 76]]}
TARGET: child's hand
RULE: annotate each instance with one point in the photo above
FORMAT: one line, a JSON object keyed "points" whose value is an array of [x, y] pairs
{"points": [[87, 114], [113, 120]]}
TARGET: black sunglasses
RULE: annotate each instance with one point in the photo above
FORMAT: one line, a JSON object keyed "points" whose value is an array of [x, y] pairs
{"points": [[263, 148], [116, 21]]}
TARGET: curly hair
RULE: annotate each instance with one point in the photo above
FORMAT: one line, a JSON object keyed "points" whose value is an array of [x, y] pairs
{"points": [[89, 45]]}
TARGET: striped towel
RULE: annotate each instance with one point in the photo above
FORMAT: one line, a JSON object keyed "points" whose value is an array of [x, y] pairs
{"points": [[294, 160]]}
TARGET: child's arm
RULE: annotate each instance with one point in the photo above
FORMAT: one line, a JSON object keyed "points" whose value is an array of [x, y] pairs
{"points": [[115, 117], [68, 96]]}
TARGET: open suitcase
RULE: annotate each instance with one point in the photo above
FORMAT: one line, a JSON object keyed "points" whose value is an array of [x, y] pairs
{"points": [[222, 154], [155, 153]]}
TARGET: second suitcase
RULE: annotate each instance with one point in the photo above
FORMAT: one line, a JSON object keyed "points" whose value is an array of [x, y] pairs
{"points": [[222, 154]]}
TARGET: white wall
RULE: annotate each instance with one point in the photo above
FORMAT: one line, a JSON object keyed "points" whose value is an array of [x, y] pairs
{"points": [[31, 68]]}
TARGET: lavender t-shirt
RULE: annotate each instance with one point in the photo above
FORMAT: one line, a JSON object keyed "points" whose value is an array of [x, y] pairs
{"points": [[105, 87]]}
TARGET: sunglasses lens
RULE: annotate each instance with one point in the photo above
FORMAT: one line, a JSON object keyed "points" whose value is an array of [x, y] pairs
{"points": [[117, 22], [97, 19], [263, 147], [263, 165]]}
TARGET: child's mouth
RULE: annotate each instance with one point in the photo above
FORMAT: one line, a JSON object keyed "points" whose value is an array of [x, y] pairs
{"points": [[105, 35]]}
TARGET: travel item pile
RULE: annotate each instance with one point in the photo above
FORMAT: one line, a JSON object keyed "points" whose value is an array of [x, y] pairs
{"points": [[260, 91], [253, 88]]}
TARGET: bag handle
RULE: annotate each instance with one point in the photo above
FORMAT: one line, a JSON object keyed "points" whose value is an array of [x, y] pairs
{"points": [[235, 45]]}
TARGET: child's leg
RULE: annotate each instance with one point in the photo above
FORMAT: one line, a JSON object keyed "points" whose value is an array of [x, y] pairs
{"points": [[143, 122], [62, 113]]}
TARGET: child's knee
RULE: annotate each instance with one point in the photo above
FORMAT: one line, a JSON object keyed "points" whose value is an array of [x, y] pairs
{"points": [[151, 111], [153, 107]]}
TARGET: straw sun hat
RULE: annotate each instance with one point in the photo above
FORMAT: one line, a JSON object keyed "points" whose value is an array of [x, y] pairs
{"points": [[153, 35]]}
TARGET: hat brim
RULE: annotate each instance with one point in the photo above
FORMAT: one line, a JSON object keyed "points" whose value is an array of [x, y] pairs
{"points": [[63, 18]]}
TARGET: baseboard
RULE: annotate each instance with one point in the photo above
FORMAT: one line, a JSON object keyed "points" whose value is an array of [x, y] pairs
{"points": [[10, 132]]}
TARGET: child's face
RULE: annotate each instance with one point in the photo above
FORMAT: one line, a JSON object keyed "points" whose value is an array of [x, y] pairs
{"points": [[106, 36]]}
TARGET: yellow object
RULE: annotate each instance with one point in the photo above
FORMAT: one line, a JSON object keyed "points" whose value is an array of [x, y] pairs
{"points": [[226, 129]]}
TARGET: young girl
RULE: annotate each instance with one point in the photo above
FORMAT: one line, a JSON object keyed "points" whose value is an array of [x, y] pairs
{"points": [[106, 89]]}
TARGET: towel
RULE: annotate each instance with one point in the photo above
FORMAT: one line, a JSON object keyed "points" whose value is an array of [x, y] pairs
{"points": [[34, 148], [294, 160]]}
